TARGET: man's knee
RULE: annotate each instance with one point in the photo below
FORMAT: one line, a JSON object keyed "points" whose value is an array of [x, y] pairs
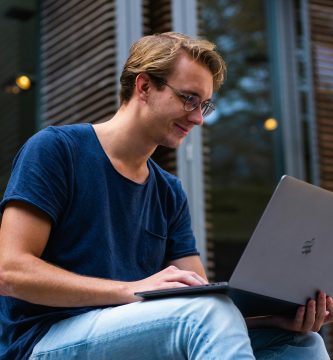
{"points": [[283, 344], [316, 343], [218, 303], [217, 308], [221, 325]]}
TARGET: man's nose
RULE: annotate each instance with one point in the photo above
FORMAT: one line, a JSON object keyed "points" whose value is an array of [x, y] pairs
{"points": [[196, 117]]}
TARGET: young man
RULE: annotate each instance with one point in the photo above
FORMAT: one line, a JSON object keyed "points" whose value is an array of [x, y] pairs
{"points": [[89, 219]]}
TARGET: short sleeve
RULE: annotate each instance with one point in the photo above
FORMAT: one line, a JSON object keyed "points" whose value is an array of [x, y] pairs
{"points": [[181, 240], [40, 174]]}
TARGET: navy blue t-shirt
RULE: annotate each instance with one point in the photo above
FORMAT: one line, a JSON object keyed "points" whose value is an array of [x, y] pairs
{"points": [[103, 224]]}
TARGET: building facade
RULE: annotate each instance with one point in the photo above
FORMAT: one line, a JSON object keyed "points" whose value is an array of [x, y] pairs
{"points": [[273, 113]]}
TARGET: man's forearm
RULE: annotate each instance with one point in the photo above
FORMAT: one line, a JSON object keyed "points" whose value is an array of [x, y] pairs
{"points": [[36, 281]]}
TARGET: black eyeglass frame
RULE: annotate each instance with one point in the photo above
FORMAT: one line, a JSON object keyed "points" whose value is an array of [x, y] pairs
{"points": [[206, 106]]}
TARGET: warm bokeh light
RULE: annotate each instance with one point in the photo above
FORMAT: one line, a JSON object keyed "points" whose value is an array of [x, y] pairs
{"points": [[23, 82], [270, 124]]}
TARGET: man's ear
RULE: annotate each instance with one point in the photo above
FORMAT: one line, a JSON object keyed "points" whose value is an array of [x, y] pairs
{"points": [[142, 85]]}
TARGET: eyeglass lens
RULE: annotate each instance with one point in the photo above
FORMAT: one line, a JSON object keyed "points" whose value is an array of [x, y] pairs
{"points": [[193, 103]]}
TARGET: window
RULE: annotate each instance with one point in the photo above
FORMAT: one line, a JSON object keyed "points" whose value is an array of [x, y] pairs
{"points": [[244, 142]]}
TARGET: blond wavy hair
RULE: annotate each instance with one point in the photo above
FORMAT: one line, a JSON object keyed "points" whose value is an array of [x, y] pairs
{"points": [[156, 55]]}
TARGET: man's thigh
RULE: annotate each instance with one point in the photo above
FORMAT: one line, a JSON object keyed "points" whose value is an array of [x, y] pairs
{"points": [[177, 328]]}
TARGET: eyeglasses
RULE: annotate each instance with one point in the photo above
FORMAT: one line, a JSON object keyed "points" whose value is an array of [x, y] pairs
{"points": [[192, 102]]}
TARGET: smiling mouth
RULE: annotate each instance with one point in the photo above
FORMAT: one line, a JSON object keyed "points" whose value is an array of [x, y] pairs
{"points": [[183, 130]]}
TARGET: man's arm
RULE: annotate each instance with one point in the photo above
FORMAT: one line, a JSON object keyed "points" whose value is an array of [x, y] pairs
{"points": [[24, 234]]}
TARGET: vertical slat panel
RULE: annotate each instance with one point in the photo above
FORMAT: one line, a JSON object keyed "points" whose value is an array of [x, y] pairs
{"points": [[157, 19], [78, 81], [321, 28], [321, 21], [208, 205], [211, 266], [157, 16]]}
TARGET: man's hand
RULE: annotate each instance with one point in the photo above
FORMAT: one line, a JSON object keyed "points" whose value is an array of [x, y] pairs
{"points": [[311, 317], [171, 277]]}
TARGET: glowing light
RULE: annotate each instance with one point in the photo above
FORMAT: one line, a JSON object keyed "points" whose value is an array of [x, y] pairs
{"points": [[23, 82], [271, 124]]}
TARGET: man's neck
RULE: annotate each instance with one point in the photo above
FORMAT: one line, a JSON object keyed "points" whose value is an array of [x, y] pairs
{"points": [[126, 146]]}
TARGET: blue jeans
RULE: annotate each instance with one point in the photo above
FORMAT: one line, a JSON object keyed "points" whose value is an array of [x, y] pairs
{"points": [[195, 328]]}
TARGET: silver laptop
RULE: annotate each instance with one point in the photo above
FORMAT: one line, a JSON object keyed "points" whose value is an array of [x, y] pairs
{"points": [[288, 258]]}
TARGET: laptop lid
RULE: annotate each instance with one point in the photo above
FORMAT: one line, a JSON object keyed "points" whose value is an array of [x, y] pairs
{"points": [[289, 255]]}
